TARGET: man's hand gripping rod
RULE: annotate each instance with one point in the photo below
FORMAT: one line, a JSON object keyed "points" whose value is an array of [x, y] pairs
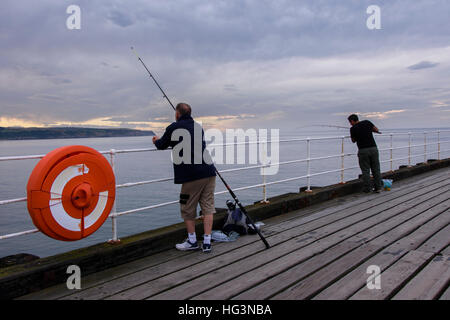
{"points": [[217, 172]]}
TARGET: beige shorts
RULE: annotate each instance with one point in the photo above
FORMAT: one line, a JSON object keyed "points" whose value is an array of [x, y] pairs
{"points": [[195, 192]]}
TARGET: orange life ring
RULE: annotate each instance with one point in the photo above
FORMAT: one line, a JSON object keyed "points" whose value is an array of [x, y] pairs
{"points": [[71, 192]]}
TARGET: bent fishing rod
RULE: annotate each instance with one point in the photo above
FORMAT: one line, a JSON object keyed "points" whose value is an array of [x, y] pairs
{"points": [[217, 171]]}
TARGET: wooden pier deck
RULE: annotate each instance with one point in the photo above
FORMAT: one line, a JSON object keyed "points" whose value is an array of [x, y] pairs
{"points": [[321, 252]]}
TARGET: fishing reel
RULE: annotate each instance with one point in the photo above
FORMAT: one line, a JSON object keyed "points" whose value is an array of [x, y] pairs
{"points": [[231, 205]]}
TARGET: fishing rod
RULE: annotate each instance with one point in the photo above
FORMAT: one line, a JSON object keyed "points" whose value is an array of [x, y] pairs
{"points": [[233, 195], [325, 125], [151, 76], [331, 126]]}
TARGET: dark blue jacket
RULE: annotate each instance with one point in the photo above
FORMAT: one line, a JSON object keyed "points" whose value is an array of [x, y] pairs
{"points": [[197, 168]]}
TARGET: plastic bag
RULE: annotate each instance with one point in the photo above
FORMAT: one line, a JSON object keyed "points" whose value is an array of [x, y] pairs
{"points": [[219, 236]]}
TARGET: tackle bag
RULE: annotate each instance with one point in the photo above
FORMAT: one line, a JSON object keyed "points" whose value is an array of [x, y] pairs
{"points": [[236, 221]]}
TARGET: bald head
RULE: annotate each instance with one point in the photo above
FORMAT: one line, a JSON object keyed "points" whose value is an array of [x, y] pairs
{"points": [[183, 109]]}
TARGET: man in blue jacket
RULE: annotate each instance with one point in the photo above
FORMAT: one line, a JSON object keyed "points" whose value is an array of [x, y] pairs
{"points": [[195, 172]]}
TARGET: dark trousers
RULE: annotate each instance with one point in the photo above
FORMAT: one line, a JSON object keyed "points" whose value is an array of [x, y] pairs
{"points": [[369, 161]]}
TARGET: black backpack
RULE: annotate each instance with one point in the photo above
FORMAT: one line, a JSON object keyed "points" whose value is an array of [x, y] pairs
{"points": [[236, 221]]}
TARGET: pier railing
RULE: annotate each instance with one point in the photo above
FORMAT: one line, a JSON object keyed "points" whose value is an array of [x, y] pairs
{"points": [[431, 150]]}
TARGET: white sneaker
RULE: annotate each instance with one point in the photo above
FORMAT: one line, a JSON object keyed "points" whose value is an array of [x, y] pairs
{"points": [[186, 245]]}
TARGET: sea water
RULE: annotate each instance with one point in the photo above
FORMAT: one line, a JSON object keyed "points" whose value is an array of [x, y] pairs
{"points": [[141, 166]]}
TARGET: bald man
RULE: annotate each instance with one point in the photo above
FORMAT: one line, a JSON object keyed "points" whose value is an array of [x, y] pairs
{"points": [[196, 176]]}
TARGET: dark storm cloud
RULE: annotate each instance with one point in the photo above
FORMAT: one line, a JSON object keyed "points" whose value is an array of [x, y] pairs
{"points": [[120, 19], [423, 65]]}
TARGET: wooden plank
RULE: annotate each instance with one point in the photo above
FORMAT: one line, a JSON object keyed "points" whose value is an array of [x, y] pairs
{"points": [[349, 284], [277, 283], [384, 206], [387, 199], [238, 284], [99, 278], [350, 201], [346, 202], [312, 210], [233, 271], [216, 245], [439, 204], [374, 200], [429, 282], [437, 242], [154, 272], [191, 284], [446, 294], [233, 287], [103, 289], [146, 275], [316, 282], [329, 211], [423, 176], [446, 251], [305, 287], [394, 277], [297, 273], [342, 202], [404, 187]]}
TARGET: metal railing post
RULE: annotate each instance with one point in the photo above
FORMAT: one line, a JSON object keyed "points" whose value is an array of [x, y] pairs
{"points": [[342, 159], [391, 161], [308, 163], [439, 144], [114, 239], [264, 160], [409, 150], [425, 147]]}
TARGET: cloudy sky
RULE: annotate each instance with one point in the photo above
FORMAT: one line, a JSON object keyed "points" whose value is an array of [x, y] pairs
{"points": [[239, 63]]}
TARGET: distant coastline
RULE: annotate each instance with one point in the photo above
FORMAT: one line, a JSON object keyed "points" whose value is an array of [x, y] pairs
{"points": [[18, 133]]}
